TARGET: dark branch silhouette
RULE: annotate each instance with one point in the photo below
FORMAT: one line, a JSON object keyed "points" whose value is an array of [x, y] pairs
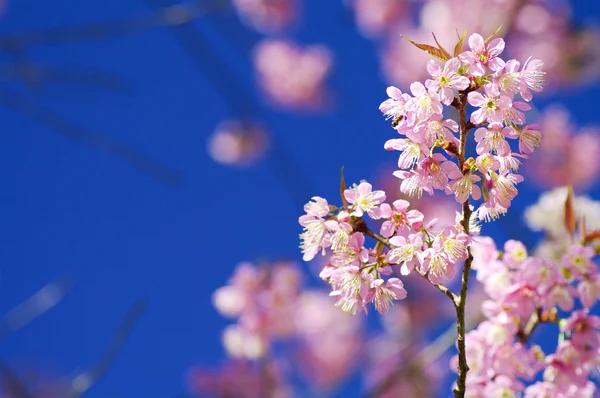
{"points": [[36, 76], [75, 132], [167, 16], [83, 382], [23, 70], [240, 101]]}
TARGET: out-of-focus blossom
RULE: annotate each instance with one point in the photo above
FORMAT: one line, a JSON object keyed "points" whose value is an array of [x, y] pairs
{"points": [[568, 155], [538, 29], [397, 67], [397, 366], [330, 340], [292, 76], [263, 300], [267, 16], [237, 143], [570, 55], [548, 216], [240, 379], [272, 312], [376, 17]]}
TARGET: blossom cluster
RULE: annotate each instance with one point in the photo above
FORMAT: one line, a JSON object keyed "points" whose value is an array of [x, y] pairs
{"points": [[570, 154], [359, 274], [293, 75], [271, 307], [526, 292], [488, 83], [544, 29], [262, 301]]}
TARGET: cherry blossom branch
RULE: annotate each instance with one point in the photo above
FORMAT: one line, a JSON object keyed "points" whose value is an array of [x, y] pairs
{"points": [[537, 318], [461, 302], [533, 321]]}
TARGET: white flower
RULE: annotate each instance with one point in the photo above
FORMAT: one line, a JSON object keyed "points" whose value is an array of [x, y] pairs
{"points": [[548, 214]]}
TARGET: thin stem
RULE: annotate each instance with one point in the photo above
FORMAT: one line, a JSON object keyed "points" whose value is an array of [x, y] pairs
{"points": [[461, 301], [426, 356], [532, 323]]}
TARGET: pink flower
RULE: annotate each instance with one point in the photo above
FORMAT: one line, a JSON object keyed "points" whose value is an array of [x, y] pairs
{"points": [[532, 78], [316, 233], [529, 139], [463, 186], [350, 286], [405, 251], [584, 330], [383, 295], [365, 200], [353, 254], [412, 152], [435, 265], [399, 217], [481, 56], [424, 104], [501, 187], [453, 242], [446, 79], [493, 138], [317, 207], [428, 132], [578, 260], [515, 253], [484, 252], [589, 290], [414, 182], [491, 105], [394, 107]]}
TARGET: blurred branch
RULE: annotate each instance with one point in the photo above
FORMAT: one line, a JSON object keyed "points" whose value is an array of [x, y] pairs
{"points": [[24, 70], [11, 383], [38, 304], [426, 356], [167, 16], [83, 382], [241, 102], [35, 75], [75, 132]]}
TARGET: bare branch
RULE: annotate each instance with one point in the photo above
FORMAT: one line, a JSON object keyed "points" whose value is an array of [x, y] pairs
{"points": [[38, 304], [173, 15], [86, 380], [75, 132]]}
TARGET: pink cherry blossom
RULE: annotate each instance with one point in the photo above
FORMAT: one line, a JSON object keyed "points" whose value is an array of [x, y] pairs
{"points": [[483, 57], [364, 200], [444, 80], [491, 105]]}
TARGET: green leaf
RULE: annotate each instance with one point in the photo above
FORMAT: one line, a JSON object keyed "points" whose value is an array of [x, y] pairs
{"points": [[493, 34], [458, 48], [431, 50]]}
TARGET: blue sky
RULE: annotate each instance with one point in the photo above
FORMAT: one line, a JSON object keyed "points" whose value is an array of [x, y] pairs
{"points": [[121, 235]]}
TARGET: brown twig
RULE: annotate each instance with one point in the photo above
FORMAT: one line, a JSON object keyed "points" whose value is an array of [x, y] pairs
{"points": [[83, 382], [461, 301]]}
